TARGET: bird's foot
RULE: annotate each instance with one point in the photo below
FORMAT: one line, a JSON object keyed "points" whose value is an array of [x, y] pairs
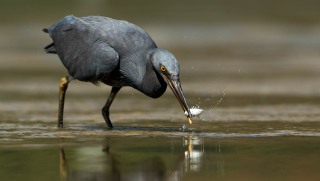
{"points": [[105, 115]]}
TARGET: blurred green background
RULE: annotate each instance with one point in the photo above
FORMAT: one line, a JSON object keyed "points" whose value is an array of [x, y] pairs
{"points": [[204, 11]]}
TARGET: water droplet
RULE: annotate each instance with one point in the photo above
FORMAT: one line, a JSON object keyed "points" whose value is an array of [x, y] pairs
{"points": [[183, 128]]}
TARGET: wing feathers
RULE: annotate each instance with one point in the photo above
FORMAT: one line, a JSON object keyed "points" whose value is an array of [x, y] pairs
{"points": [[86, 56]]}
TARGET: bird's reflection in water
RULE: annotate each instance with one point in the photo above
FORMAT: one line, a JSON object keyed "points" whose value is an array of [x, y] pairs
{"points": [[190, 160], [193, 155], [94, 163]]}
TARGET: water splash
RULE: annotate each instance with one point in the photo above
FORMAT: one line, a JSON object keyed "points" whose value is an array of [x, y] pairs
{"points": [[221, 99], [183, 128], [195, 111]]}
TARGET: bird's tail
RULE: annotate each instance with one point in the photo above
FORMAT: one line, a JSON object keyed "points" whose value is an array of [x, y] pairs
{"points": [[49, 48], [45, 30]]}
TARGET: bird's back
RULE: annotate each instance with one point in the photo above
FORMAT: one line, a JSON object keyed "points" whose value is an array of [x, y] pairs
{"points": [[94, 47], [123, 36]]}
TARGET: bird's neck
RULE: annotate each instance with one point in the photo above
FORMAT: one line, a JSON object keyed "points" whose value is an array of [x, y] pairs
{"points": [[139, 73], [153, 84]]}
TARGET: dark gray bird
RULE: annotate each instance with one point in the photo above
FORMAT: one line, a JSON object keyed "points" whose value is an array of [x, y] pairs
{"points": [[114, 52]]}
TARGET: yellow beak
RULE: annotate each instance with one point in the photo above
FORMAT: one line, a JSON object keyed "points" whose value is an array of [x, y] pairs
{"points": [[174, 84]]}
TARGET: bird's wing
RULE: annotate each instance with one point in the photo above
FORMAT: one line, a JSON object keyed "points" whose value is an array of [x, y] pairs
{"points": [[85, 54]]}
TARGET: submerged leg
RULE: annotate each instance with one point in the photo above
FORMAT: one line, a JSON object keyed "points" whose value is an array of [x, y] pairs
{"points": [[106, 107], [64, 81]]}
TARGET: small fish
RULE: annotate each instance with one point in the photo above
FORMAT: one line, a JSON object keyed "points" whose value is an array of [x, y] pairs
{"points": [[194, 111]]}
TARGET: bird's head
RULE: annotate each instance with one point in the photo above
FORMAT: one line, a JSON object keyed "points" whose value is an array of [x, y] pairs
{"points": [[168, 67]]}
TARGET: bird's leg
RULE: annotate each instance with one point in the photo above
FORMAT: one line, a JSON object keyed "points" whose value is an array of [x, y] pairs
{"points": [[64, 81], [106, 107]]}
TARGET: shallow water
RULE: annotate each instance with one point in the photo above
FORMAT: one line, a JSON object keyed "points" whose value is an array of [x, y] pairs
{"points": [[147, 157], [253, 69]]}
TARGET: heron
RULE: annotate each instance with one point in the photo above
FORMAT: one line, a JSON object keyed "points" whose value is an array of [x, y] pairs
{"points": [[117, 53]]}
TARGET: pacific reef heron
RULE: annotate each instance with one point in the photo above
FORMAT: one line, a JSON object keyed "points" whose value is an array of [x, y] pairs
{"points": [[114, 52]]}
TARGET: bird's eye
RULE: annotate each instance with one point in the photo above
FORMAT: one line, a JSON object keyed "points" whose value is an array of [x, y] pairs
{"points": [[163, 68]]}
